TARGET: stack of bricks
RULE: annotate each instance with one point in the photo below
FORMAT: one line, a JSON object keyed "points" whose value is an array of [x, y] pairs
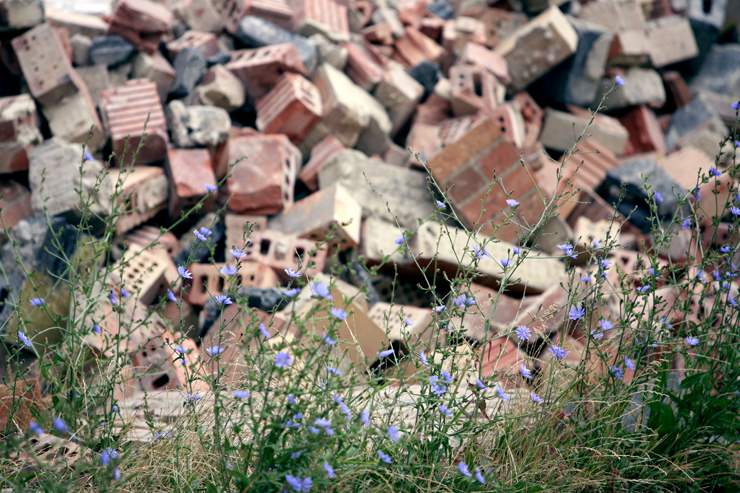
{"points": [[340, 131]]}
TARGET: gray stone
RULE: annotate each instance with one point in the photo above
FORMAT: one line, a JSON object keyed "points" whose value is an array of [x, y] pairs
{"points": [[697, 124], [190, 66], [720, 71], [197, 126], [256, 32], [641, 86], [81, 45], [331, 53], [19, 14], [110, 50], [382, 190]]}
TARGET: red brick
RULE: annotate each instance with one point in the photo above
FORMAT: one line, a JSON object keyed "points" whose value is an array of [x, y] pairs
{"points": [[13, 157], [593, 162], [546, 313], [414, 48], [262, 180], [677, 91], [231, 11], [143, 16], [15, 204], [158, 366], [133, 112], [281, 251], [325, 17], [477, 54], [292, 108], [502, 358], [146, 236], [321, 153], [190, 171], [431, 27], [461, 31], [644, 131], [20, 399], [208, 281], [260, 69], [474, 89], [206, 43], [379, 34], [509, 122], [499, 317], [532, 115], [239, 228], [279, 12], [45, 65], [143, 194], [364, 65]]}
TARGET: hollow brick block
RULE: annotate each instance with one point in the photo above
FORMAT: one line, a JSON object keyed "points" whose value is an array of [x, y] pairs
{"points": [[281, 251], [325, 17], [239, 228], [260, 69], [208, 281], [291, 108]]}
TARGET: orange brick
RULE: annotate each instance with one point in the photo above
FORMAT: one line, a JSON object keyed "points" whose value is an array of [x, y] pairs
{"points": [[190, 172], [15, 204], [474, 89], [133, 113], [260, 69], [264, 176], [325, 17], [321, 153], [414, 48], [364, 65], [281, 251], [292, 108], [645, 134], [159, 366], [208, 281]]}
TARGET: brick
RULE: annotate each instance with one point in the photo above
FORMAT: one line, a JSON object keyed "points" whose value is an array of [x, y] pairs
{"points": [[378, 241], [408, 326], [158, 366], [320, 155], [328, 213], [586, 232], [259, 69], [630, 47], [190, 172], [76, 23], [537, 47], [561, 130], [292, 108], [364, 65], [641, 86], [351, 114], [75, 119], [465, 169], [614, 15], [142, 273], [391, 17], [586, 203], [257, 32], [414, 48], [231, 11], [670, 40], [399, 94], [491, 309], [200, 15], [325, 17], [157, 69], [18, 122], [15, 204], [262, 180], [16, 14], [45, 65], [453, 251], [208, 281], [239, 228], [333, 54], [474, 89], [459, 32], [397, 156], [281, 251], [219, 87], [593, 161], [197, 126], [132, 113], [142, 194], [477, 54], [532, 116], [279, 12], [378, 187], [152, 238], [502, 358], [205, 43], [13, 157], [20, 399], [54, 176], [143, 16], [644, 131]]}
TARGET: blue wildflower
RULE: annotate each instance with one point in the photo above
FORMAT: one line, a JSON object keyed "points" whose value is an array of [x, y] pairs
{"points": [[713, 171], [329, 341], [329, 470], [338, 313], [393, 434], [605, 324], [385, 457], [365, 417], [59, 425], [658, 197], [463, 469], [238, 253], [210, 187], [214, 351], [202, 233], [501, 393], [525, 372], [184, 273], [617, 372], [423, 358], [505, 262], [523, 333], [440, 205], [576, 312], [619, 80], [437, 388], [292, 292], [36, 302], [283, 359], [479, 476], [222, 299], [558, 352], [386, 353], [445, 410], [567, 250], [629, 363], [171, 296], [293, 274], [512, 203], [535, 398], [24, 339], [228, 270], [481, 386], [691, 341], [320, 290], [241, 394], [34, 428], [113, 297]]}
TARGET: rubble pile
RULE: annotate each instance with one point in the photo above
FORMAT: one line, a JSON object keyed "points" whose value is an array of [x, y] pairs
{"points": [[307, 132]]}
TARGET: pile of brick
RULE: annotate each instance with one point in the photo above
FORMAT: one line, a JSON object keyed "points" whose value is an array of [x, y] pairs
{"points": [[292, 120]]}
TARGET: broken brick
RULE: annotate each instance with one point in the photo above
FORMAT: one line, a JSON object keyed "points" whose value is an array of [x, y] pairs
{"points": [[281, 252], [259, 69], [191, 176], [291, 108], [320, 154], [15, 204], [474, 89]]}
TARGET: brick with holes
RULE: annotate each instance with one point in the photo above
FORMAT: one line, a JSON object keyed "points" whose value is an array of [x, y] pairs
{"points": [[133, 115], [330, 212], [168, 362], [239, 228], [142, 273], [474, 89], [190, 172], [259, 69], [291, 108], [262, 180], [45, 65], [532, 115], [536, 47], [465, 170], [209, 281], [15, 204], [139, 194], [281, 251]]}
